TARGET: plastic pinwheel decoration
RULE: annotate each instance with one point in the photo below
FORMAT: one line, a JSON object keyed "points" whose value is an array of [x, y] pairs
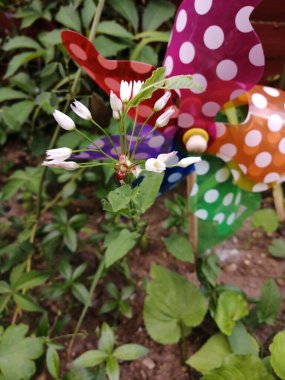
{"points": [[225, 56]]}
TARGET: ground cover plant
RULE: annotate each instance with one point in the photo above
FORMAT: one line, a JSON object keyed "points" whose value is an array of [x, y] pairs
{"points": [[126, 251]]}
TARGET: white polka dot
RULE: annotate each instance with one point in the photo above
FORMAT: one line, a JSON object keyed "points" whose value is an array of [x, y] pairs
{"points": [[272, 91], [113, 151], [186, 52], [259, 187], [211, 196], [275, 123], [201, 214], [108, 64], [174, 177], [235, 174], [238, 199], [141, 68], [214, 37], [272, 177], [243, 168], [227, 70], [156, 141], [222, 175], [282, 146], [99, 143], [237, 93], [219, 218], [203, 6], [185, 120], [202, 167], [210, 109], [181, 21], [220, 129], [263, 159], [78, 51], [259, 101], [243, 23], [202, 81], [228, 150], [231, 219], [256, 55], [253, 138], [228, 199], [112, 83], [168, 63], [194, 190], [141, 156]]}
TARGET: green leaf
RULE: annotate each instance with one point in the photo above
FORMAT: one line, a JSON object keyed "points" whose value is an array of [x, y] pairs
{"points": [[52, 361], [19, 60], [17, 353], [112, 28], [241, 342], [7, 93], [267, 219], [120, 246], [240, 368], [277, 248], [107, 339], [211, 355], [127, 9], [88, 12], [165, 10], [269, 303], [91, 358], [68, 16], [113, 290], [81, 293], [112, 368], [130, 352], [4, 301], [172, 306], [180, 248], [231, 307], [51, 38], [148, 55], [108, 47], [120, 197], [182, 82], [26, 303], [20, 42], [277, 349], [4, 288], [145, 194], [208, 269], [30, 280], [11, 189], [22, 110], [70, 239], [24, 82]]}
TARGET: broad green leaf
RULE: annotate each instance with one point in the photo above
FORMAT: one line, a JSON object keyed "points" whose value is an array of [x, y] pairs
{"points": [[130, 352], [173, 305], [127, 9], [179, 247], [241, 342], [108, 47], [51, 38], [68, 16], [26, 303], [145, 194], [148, 55], [70, 239], [120, 246], [211, 355], [17, 353], [20, 42], [24, 82], [277, 248], [4, 301], [269, 303], [70, 140], [30, 280], [208, 269], [182, 82], [240, 368], [277, 349], [11, 189], [112, 28], [91, 358], [4, 288], [107, 339], [22, 110], [156, 13], [267, 219], [7, 93], [52, 362], [231, 307], [81, 293], [88, 12], [19, 60], [112, 368], [120, 197]]}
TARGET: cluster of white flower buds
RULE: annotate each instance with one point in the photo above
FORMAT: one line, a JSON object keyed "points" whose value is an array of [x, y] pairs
{"points": [[163, 161], [56, 158]]}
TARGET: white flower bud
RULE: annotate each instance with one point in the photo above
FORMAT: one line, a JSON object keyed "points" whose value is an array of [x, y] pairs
{"points": [[137, 87], [67, 165], [116, 103], [136, 170], [161, 102], [59, 154], [166, 157], [64, 121], [81, 110], [154, 165], [116, 115], [187, 161], [125, 91], [163, 119]]}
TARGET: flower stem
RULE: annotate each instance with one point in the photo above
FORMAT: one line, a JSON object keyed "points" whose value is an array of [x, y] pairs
{"points": [[107, 135]]}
